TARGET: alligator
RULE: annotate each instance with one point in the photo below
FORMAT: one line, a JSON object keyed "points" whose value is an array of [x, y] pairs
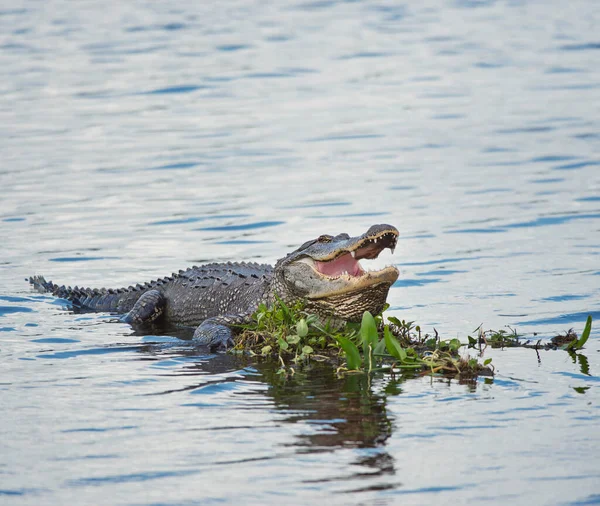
{"points": [[324, 273]]}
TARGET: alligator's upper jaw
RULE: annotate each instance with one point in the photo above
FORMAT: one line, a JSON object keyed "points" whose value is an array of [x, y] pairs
{"points": [[344, 264]]}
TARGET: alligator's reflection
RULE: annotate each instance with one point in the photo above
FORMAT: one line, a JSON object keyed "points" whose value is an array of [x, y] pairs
{"points": [[350, 412], [349, 407], [344, 412]]}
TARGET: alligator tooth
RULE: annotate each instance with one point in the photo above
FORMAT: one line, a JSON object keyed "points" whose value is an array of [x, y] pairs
{"points": [[353, 253], [392, 248], [375, 240]]}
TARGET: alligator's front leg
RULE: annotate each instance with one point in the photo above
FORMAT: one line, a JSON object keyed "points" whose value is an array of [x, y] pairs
{"points": [[147, 308], [216, 331]]}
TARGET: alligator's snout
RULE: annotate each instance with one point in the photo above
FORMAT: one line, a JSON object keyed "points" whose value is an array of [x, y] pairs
{"points": [[368, 246]]}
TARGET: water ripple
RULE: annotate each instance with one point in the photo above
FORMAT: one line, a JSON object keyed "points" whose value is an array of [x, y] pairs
{"points": [[184, 88], [246, 226], [581, 47]]}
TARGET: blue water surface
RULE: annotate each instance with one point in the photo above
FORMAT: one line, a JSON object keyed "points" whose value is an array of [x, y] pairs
{"points": [[138, 139]]}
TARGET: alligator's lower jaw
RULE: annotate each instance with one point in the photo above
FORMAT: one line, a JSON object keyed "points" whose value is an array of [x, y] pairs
{"points": [[347, 283], [350, 306]]}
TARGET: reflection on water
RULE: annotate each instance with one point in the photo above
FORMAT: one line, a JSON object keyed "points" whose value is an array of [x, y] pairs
{"points": [[356, 415], [139, 139]]}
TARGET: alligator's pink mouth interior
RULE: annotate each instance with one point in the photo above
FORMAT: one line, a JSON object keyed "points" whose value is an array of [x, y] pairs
{"points": [[348, 264], [343, 264]]}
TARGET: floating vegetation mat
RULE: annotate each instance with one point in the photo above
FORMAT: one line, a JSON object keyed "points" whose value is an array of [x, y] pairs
{"points": [[294, 337]]}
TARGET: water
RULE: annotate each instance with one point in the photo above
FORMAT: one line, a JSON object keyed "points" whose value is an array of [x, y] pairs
{"points": [[139, 139]]}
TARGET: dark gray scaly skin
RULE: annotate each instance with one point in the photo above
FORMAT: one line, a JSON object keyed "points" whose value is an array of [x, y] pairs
{"points": [[216, 296]]}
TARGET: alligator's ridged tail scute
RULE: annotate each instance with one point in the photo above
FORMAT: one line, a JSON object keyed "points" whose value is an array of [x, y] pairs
{"points": [[88, 298], [41, 285]]}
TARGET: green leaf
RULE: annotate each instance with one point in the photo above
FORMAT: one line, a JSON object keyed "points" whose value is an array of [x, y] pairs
{"points": [[368, 332], [431, 343], [351, 351], [395, 321], [393, 346], [284, 310], [412, 353], [282, 344], [293, 339], [380, 348], [487, 361], [312, 318], [454, 344], [307, 350], [266, 350], [302, 328], [585, 334]]}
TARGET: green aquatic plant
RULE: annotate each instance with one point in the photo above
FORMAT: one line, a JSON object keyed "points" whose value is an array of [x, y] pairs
{"points": [[577, 344], [495, 338], [294, 335], [282, 329], [374, 344]]}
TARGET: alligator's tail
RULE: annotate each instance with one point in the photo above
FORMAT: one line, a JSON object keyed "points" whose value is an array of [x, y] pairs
{"points": [[43, 286], [88, 298]]}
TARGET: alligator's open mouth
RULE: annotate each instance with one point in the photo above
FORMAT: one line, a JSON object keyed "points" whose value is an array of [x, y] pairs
{"points": [[346, 262]]}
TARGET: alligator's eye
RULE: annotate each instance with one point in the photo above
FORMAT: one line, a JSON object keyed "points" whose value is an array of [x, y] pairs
{"points": [[325, 238]]}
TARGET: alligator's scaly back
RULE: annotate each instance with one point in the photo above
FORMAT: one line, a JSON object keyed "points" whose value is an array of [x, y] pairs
{"points": [[194, 294]]}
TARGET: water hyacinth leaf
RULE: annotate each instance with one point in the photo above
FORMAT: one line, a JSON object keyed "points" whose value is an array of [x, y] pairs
{"points": [[431, 343], [282, 344], [380, 348], [393, 346], [293, 339], [351, 351], [454, 344], [307, 350], [302, 328], [368, 332]]}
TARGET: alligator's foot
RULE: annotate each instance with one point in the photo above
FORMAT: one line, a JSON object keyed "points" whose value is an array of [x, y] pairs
{"points": [[147, 309], [216, 333]]}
